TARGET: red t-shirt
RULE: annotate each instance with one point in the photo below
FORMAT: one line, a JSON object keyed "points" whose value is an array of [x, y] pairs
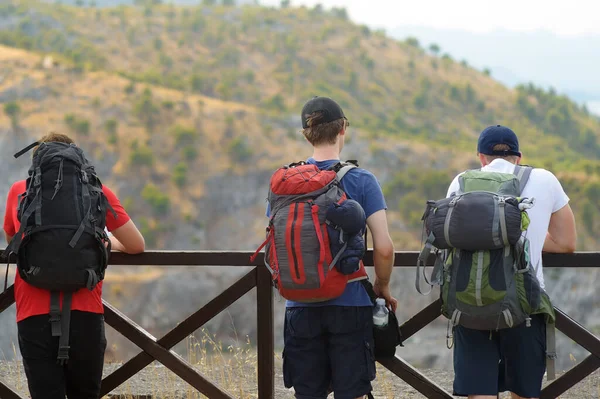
{"points": [[33, 301]]}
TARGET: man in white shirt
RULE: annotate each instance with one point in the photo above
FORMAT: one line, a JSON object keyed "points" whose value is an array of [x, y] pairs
{"points": [[477, 354]]}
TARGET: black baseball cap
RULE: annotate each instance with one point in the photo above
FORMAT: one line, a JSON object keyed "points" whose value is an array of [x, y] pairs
{"points": [[330, 109], [494, 135]]}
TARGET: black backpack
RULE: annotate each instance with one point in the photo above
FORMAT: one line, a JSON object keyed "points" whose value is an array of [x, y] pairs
{"points": [[61, 245]]}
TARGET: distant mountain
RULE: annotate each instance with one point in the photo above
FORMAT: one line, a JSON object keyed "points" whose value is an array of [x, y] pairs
{"points": [[569, 64]]}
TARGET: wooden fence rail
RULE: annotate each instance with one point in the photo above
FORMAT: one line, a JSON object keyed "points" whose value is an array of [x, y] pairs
{"points": [[259, 277]]}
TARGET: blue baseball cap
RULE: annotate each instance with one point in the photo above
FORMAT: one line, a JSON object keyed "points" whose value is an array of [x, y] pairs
{"points": [[494, 135]]}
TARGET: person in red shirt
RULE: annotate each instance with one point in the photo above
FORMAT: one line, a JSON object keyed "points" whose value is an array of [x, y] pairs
{"points": [[81, 377]]}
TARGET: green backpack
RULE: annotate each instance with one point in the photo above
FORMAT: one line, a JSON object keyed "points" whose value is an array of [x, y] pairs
{"points": [[482, 258]]}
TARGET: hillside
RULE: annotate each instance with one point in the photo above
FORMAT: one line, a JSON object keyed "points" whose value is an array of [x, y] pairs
{"points": [[187, 111], [263, 63]]}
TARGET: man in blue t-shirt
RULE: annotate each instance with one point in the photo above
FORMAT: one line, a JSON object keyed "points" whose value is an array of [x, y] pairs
{"points": [[328, 346]]}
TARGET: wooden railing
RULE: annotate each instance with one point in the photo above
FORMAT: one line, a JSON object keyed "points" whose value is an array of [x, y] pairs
{"points": [[259, 277]]}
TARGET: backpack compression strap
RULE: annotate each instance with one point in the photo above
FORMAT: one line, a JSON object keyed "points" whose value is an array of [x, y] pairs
{"points": [[550, 351], [522, 173], [60, 323]]}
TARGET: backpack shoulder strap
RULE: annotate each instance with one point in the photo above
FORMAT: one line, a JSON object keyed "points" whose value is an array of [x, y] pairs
{"points": [[342, 172], [341, 168], [522, 172], [461, 182]]}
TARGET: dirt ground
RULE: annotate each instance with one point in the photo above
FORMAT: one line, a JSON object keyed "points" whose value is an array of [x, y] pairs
{"points": [[158, 383]]}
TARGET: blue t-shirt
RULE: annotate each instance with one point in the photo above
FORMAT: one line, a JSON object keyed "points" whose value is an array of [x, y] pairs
{"points": [[363, 187]]}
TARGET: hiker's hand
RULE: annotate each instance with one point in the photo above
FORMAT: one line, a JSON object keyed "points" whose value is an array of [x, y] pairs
{"points": [[383, 291], [115, 244]]}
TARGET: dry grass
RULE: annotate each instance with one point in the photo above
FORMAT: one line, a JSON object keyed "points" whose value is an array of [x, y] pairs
{"points": [[234, 369]]}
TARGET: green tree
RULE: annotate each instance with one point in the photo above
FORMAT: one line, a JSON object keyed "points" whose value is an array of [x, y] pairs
{"points": [[77, 124], [365, 30], [340, 12], [412, 41], [276, 103], [111, 125], [589, 211], [470, 94], [353, 82], [190, 153], [285, 3], [183, 135], [240, 150], [141, 155], [146, 110], [180, 174], [420, 100], [158, 200], [130, 88], [13, 111], [434, 48]]}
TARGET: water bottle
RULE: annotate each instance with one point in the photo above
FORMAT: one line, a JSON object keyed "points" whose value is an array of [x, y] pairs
{"points": [[380, 313]]}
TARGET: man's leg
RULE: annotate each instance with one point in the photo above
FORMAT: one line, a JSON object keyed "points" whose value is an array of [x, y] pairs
{"points": [[524, 353], [86, 356], [476, 358], [45, 378], [351, 350], [306, 365]]}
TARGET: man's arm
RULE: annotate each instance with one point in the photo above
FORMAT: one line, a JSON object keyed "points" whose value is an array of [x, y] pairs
{"points": [[11, 204], [383, 255], [128, 239], [562, 235], [125, 235]]}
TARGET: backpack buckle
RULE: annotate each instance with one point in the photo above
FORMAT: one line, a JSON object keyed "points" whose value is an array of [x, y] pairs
{"points": [[84, 177]]}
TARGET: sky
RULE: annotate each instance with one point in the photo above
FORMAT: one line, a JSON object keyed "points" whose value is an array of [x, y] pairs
{"points": [[563, 18]]}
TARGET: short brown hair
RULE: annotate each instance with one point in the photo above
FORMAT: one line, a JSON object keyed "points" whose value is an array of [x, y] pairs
{"points": [[324, 133], [57, 137], [501, 147], [52, 136]]}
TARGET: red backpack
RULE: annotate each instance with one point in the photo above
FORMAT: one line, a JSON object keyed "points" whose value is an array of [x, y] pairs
{"points": [[297, 247]]}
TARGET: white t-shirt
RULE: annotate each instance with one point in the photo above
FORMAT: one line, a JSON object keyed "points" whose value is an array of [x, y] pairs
{"points": [[549, 198]]}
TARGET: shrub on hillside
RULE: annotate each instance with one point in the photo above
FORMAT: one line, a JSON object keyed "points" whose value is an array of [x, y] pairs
{"points": [[13, 111], [141, 155], [183, 135], [111, 126], [180, 174], [146, 110], [239, 149], [157, 199], [77, 124], [190, 153]]}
